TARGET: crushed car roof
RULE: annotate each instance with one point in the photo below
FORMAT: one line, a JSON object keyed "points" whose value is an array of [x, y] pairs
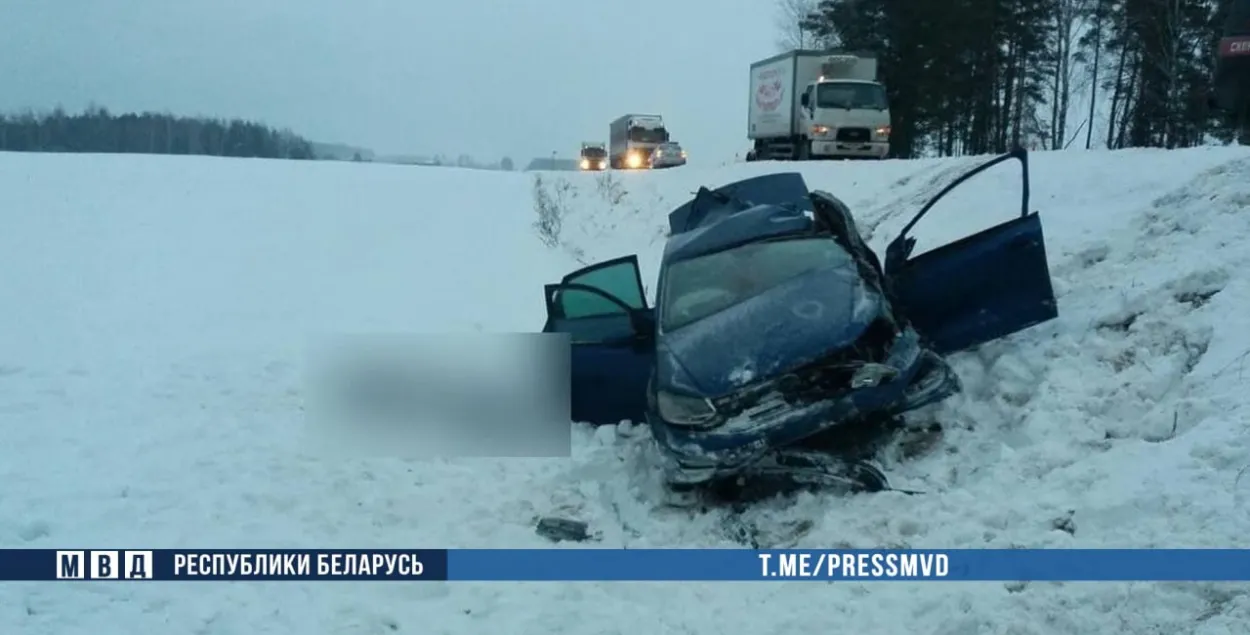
{"points": [[761, 207]]}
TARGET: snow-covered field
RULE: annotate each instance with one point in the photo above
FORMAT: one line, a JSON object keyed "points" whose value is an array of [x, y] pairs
{"points": [[153, 313]]}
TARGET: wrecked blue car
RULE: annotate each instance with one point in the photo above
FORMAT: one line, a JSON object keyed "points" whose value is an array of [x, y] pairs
{"points": [[778, 342]]}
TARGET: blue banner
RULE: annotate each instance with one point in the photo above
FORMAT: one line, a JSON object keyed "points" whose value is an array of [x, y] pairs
{"points": [[557, 565], [223, 564]]}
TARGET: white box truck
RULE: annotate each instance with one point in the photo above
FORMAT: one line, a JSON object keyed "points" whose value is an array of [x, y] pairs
{"points": [[632, 138], [817, 105]]}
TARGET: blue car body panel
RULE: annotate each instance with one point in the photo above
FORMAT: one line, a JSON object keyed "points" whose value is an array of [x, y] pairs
{"points": [[778, 367], [772, 189], [697, 455], [768, 333]]}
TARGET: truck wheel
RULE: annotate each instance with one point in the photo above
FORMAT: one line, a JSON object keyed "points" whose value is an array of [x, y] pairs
{"points": [[804, 151]]}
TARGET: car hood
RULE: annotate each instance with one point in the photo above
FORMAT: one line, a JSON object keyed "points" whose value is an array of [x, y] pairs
{"points": [[769, 334]]}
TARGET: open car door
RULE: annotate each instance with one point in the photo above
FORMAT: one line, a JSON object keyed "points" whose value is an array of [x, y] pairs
{"points": [[980, 288], [603, 309]]}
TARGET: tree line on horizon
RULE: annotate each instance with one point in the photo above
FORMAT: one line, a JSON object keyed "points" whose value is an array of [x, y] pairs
{"points": [[980, 76], [98, 130]]}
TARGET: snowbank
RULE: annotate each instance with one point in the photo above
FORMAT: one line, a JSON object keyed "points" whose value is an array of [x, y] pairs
{"points": [[155, 309]]}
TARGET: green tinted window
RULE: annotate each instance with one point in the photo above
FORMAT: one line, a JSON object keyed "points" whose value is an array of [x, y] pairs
{"points": [[619, 280]]}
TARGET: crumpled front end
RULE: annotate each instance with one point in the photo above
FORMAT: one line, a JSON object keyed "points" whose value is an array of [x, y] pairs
{"points": [[883, 372]]}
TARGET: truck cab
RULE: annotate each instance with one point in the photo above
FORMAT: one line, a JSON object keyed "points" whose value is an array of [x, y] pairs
{"points": [[633, 138], [844, 118], [594, 156]]}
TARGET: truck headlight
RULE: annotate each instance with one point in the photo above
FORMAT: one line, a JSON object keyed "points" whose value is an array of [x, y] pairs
{"points": [[603, 165], [585, 164], [684, 410], [634, 160], [883, 131], [820, 130]]}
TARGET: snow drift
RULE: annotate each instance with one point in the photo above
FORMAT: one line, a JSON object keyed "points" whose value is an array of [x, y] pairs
{"points": [[154, 311]]}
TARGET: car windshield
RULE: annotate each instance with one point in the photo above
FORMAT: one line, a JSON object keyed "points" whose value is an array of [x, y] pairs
{"points": [[669, 147], [856, 95], [701, 286], [648, 135]]}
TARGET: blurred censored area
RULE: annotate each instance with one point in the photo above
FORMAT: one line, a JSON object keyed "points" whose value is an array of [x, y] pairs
{"points": [[442, 395]]}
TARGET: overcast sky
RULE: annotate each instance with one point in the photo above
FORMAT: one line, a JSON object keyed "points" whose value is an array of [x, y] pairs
{"points": [[489, 78]]}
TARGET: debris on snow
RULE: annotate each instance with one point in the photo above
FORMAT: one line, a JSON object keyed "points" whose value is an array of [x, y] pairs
{"points": [[563, 530], [1065, 523]]}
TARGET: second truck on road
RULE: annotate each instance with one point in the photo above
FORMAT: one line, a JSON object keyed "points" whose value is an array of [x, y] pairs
{"points": [[632, 139], [817, 105]]}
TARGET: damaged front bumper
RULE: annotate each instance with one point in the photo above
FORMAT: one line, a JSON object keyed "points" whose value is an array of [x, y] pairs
{"points": [[784, 410]]}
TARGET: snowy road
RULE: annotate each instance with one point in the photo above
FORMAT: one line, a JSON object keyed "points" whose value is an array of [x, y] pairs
{"points": [[154, 312]]}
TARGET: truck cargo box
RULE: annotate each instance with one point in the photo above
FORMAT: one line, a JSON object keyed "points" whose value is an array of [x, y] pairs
{"points": [[776, 82]]}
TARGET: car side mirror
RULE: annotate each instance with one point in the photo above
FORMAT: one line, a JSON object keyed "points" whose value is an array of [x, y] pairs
{"points": [[897, 253]]}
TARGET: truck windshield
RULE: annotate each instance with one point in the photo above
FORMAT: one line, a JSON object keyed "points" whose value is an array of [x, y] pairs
{"points": [[594, 153], [701, 286], [853, 95], [648, 135]]}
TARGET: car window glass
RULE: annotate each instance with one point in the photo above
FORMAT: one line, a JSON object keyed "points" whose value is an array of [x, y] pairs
{"points": [[619, 280], [595, 329], [699, 287]]}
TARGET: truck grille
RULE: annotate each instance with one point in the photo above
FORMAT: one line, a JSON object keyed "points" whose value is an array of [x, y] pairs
{"points": [[823, 378], [854, 135]]}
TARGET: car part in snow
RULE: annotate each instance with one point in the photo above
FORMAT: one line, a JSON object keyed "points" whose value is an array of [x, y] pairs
{"points": [[563, 529], [791, 470]]}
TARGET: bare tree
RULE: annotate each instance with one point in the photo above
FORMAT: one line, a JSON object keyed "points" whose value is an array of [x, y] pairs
{"points": [[790, 17], [1095, 43], [1067, 14]]}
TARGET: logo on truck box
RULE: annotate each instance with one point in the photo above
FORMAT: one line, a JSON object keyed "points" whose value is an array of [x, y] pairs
{"points": [[769, 90]]}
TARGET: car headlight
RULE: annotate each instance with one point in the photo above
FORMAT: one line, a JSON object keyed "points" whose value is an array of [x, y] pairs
{"points": [[820, 130], [683, 409], [883, 131]]}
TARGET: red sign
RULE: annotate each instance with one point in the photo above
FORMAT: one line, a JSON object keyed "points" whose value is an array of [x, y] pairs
{"points": [[1235, 46]]}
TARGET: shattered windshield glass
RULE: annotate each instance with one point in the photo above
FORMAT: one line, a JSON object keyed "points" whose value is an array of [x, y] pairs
{"points": [[701, 286]]}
